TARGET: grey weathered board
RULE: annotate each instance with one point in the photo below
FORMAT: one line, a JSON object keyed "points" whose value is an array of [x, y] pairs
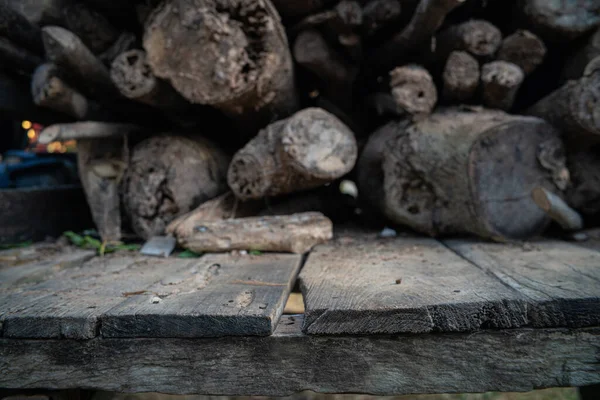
{"points": [[363, 285], [75, 302], [288, 362], [560, 282]]}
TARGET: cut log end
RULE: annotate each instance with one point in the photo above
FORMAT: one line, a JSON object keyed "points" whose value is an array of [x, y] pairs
{"points": [[413, 90], [461, 76], [132, 74], [481, 38], [501, 81], [524, 49]]}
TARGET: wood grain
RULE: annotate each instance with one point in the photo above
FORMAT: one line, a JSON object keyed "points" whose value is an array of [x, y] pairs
{"points": [[219, 295], [364, 285], [560, 282], [288, 362]]}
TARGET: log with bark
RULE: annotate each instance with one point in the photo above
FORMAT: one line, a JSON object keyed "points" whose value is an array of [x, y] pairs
{"points": [[462, 171], [461, 77], [296, 233], [413, 90], [573, 107], [500, 82], [560, 21], [86, 130], [523, 49], [480, 38], [305, 151], [169, 176], [237, 59]]}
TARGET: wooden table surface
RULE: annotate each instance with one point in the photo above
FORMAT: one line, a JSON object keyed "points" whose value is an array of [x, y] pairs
{"points": [[382, 316]]}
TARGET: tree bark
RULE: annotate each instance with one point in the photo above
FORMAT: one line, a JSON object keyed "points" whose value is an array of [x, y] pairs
{"points": [[461, 171], [312, 52], [570, 107], [236, 60], [523, 49], [500, 82], [297, 233], [577, 62], [428, 17], [225, 206], [169, 176], [560, 21], [101, 163], [94, 30], [86, 130], [69, 53], [302, 152], [461, 77], [15, 27], [478, 37], [413, 90]]}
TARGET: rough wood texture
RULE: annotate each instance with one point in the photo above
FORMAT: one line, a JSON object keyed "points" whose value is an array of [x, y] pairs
{"points": [[463, 170], [477, 37], [428, 17], [515, 360], [500, 82], [35, 213], [523, 49], [133, 77], [219, 295], [237, 60], [91, 27], [559, 20], [296, 233], [67, 51], [461, 76], [568, 107], [225, 206], [305, 151], [365, 285], [85, 130], [15, 27], [559, 281], [169, 176], [413, 90]]}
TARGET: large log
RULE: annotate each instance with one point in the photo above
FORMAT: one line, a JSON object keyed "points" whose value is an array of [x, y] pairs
{"points": [[462, 171], [68, 52], [237, 59], [296, 233], [572, 106], [560, 21], [15, 27], [305, 151], [169, 176]]}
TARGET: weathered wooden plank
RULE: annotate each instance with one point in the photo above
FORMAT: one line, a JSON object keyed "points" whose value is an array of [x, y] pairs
{"points": [[70, 303], [361, 285], [559, 281], [220, 295], [288, 362]]}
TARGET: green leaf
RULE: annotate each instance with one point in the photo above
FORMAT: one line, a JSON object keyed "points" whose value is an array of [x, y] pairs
{"points": [[255, 252], [189, 254], [76, 239]]}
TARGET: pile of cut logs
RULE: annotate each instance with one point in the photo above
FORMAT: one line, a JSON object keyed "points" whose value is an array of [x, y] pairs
{"points": [[253, 124]]}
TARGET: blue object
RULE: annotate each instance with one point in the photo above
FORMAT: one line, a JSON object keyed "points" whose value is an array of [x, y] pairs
{"points": [[22, 169]]}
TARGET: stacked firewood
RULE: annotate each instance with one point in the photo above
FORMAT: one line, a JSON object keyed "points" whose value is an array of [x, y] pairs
{"points": [[236, 124]]}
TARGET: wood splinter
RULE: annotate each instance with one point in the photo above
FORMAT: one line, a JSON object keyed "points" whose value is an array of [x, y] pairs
{"points": [[557, 209], [500, 81], [296, 233], [413, 90], [305, 151], [461, 76]]}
